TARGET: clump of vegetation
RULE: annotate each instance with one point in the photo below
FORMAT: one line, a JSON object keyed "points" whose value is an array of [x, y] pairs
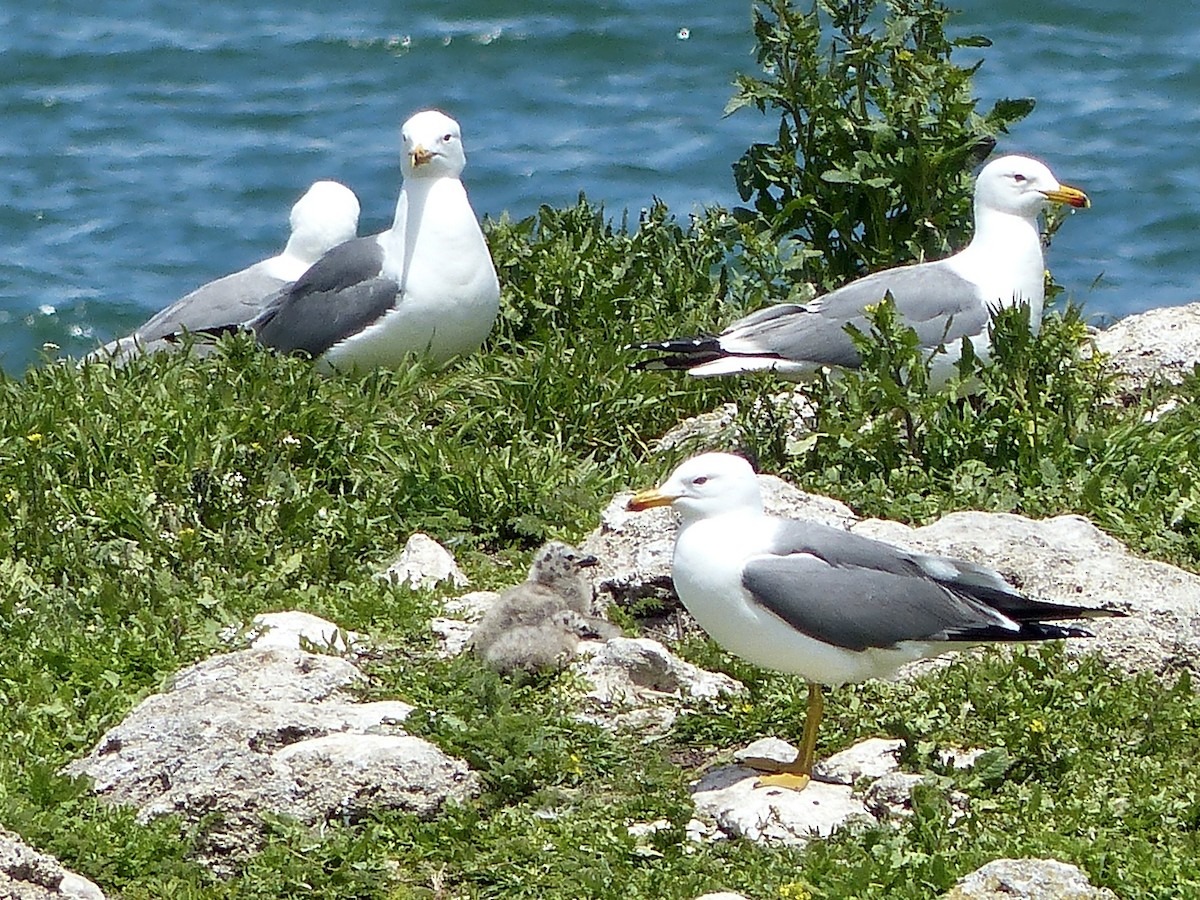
{"points": [[878, 134], [144, 510]]}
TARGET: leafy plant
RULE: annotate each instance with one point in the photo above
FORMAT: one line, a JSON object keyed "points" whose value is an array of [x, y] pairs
{"points": [[878, 133]]}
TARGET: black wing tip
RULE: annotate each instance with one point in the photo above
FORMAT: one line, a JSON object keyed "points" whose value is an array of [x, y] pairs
{"points": [[676, 363], [684, 353], [700, 343]]}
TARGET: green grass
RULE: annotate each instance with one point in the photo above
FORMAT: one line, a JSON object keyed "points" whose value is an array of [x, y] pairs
{"points": [[143, 511], [146, 509]]}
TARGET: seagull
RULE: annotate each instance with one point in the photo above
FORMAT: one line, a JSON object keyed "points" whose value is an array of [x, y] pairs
{"points": [[327, 215], [427, 285], [538, 623], [828, 605], [943, 301]]}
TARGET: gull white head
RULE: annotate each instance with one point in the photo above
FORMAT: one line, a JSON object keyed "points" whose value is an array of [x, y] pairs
{"points": [[711, 484], [327, 215], [1020, 186], [432, 146]]}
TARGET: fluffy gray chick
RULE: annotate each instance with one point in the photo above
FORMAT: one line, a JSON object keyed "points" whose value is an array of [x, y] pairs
{"points": [[538, 623]]}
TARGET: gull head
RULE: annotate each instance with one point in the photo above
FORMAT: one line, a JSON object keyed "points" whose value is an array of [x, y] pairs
{"points": [[432, 146], [1020, 186], [711, 484], [327, 215], [556, 562]]}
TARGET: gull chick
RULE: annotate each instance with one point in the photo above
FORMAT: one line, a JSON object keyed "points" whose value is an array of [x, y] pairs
{"points": [[537, 624]]}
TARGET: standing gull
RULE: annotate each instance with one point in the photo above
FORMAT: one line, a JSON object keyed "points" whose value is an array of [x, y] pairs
{"points": [[327, 215], [426, 285], [831, 606], [943, 301]]}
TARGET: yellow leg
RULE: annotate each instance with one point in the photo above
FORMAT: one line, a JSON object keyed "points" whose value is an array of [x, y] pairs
{"points": [[798, 773]]}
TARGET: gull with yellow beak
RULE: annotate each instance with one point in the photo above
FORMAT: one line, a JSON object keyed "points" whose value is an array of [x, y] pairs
{"points": [[427, 285], [826, 604], [943, 301]]}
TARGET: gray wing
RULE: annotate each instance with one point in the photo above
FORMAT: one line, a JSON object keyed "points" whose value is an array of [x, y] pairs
{"points": [[857, 593], [230, 300], [938, 304], [862, 608], [341, 294]]}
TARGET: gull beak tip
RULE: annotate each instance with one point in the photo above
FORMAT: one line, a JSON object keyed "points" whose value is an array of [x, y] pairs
{"points": [[1071, 196], [648, 499]]}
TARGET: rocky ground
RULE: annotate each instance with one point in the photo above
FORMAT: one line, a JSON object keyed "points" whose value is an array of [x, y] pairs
{"points": [[275, 726]]}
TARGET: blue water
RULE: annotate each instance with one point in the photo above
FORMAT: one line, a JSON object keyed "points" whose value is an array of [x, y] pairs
{"points": [[148, 147]]}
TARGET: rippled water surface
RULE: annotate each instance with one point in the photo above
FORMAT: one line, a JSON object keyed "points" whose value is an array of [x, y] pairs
{"points": [[150, 146]]}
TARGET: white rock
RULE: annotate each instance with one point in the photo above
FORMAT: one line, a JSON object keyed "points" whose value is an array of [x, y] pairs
{"points": [[890, 796], [261, 731], [424, 564], [1027, 879], [1158, 345], [957, 758], [470, 607], [452, 635], [729, 796], [288, 630], [26, 874], [769, 754], [639, 683], [872, 758]]}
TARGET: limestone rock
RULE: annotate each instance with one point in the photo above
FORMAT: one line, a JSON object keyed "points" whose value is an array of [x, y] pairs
{"points": [[26, 874], [1157, 345], [424, 564], [1027, 879], [639, 683], [769, 754], [470, 607], [720, 430], [268, 731], [289, 630], [1067, 559], [453, 630], [958, 758], [452, 635], [869, 789], [873, 758], [890, 796], [730, 797]]}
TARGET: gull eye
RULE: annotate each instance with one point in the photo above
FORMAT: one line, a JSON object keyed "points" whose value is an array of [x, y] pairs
{"points": [[447, 137], [700, 480], [1019, 178]]}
